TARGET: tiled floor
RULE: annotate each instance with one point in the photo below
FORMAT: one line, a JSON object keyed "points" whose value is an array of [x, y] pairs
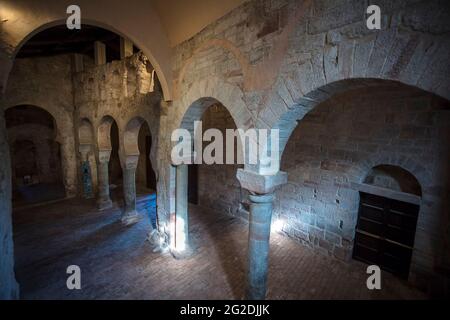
{"points": [[118, 263]]}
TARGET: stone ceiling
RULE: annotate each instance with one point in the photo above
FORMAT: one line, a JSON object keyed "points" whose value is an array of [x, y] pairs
{"points": [[182, 19]]}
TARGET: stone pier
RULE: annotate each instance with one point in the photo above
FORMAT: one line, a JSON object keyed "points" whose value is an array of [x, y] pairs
{"points": [[129, 166], [104, 199], [181, 217], [261, 188]]}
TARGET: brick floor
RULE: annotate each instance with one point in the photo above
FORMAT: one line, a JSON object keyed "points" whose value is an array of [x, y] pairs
{"points": [[117, 263]]}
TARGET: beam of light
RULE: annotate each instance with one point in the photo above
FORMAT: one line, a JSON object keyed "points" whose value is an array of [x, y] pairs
{"points": [[278, 225], [180, 235], [178, 240]]}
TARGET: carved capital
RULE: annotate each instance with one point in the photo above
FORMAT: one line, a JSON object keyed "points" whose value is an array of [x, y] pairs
{"points": [[260, 184]]}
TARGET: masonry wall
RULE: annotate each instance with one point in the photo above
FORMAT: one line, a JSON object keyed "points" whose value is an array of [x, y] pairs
{"points": [[122, 89], [271, 62], [35, 154], [262, 58], [331, 149], [46, 83], [34, 151]]}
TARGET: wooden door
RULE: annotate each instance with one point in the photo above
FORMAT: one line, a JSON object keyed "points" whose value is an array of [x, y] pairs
{"points": [[385, 233]]}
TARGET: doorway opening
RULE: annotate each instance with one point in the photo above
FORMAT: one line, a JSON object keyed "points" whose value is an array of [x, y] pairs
{"points": [[35, 156], [387, 220]]}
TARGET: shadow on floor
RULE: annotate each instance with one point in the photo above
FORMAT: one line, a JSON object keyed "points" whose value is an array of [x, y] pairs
{"points": [[212, 223], [36, 193]]}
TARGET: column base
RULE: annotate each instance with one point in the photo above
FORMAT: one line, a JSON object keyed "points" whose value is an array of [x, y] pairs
{"points": [[185, 254], [104, 204], [157, 241], [130, 218]]}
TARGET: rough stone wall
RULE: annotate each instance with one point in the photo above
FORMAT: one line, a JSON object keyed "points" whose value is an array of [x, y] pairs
{"points": [[47, 83], [339, 142], [264, 57], [34, 152], [218, 187], [123, 90], [270, 62], [43, 159]]}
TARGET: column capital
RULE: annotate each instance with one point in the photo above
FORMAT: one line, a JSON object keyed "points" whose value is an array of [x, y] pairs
{"points": [[84, 150], [130, 161], [260, 184], [104, 155]]}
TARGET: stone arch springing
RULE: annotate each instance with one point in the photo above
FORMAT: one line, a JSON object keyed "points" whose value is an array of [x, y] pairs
{"points": [[410, 58], [205, 93], [104, 133], [86, 132], [130, 136], [287, 120]]}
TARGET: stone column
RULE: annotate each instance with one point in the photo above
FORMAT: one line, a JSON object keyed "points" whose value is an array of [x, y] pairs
{"points": [[86, 177], [181, 209], [261, 188], [258, 245], [130, 214], [104, 200]]}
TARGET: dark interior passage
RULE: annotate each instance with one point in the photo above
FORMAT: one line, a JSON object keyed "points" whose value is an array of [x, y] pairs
{"points": [[115, 168], [145, 175], [35, 155]]}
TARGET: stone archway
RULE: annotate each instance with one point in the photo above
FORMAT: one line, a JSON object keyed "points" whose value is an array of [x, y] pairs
{"points": [[206, 92], [86, 148], [44, 180], [105, 154], [63, 122], [129, 157], [200, 97], [155, 45], [340, 137]]}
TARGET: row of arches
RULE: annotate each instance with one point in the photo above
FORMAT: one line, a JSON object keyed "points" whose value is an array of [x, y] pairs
{"points": [[292, 96], [117, 155], [391, 165]]}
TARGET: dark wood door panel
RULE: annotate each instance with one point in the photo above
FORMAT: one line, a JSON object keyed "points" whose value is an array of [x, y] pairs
{"points": [[385, 233]]}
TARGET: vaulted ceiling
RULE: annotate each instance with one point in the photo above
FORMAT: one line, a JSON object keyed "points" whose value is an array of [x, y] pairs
{"points": [[182, 19], [153, 25]]}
